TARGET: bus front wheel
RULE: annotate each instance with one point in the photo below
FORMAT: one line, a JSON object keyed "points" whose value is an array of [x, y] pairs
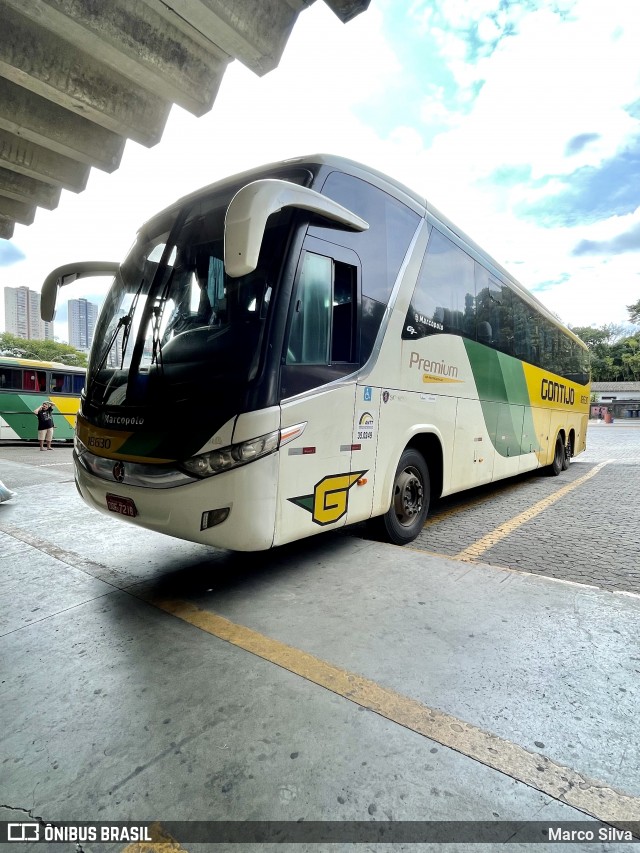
{"points": [[405, 518]]}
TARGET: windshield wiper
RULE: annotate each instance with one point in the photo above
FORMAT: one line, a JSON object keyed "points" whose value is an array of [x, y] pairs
{"points": [[154, 287], [127, 322], [156, 343]]}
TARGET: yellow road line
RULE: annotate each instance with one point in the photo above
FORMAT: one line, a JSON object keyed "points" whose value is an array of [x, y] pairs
{"points": [[476, 549], [164, 843], [532, 769], [461, 507]]}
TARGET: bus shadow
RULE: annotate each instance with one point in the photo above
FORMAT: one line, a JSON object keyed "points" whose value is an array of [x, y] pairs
{"points": [[220, 573], [246, 572]]}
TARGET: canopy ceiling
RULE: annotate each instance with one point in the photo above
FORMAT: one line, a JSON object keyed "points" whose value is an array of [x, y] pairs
{"points": [[80, 77]]}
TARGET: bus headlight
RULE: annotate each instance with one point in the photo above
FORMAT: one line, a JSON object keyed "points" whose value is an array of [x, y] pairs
{"points": [[217, 461]]}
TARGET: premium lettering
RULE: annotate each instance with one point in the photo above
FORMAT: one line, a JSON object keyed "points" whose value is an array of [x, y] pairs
{"points": [[437, 367]]}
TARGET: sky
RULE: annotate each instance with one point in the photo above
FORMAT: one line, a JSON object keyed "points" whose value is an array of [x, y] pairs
{"points": [[518, 120]]}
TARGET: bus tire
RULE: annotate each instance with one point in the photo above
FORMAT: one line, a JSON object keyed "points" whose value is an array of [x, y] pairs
{"points": [[558, 457], [405, 518], [568, 453]]}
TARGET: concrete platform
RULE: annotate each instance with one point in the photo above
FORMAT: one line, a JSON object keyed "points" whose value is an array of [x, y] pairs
{"points": [[339, 679]]}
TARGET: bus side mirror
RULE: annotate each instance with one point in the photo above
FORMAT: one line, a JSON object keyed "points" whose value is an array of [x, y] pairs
{"points": [[66, 275], [247, 215]]}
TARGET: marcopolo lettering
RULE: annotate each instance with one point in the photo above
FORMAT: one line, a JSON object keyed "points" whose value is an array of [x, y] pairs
{"points": [[123, 420], [557, 392], [426, 321]]}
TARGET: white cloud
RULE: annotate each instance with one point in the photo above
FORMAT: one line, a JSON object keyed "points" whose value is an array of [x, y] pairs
{"points": [[555, 80]]}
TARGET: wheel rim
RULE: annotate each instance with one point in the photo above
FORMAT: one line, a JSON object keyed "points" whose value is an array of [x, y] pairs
{"points": [[408, 498]]}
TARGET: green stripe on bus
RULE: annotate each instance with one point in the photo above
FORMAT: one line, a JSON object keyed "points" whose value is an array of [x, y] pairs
{"points": [[17, 412], [504, 397]]}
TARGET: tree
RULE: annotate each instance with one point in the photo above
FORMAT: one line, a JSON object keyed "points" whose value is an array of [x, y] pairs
{"points": [[596, 337], [615, 356], [634, 312], [630, 358], [41, 350]]}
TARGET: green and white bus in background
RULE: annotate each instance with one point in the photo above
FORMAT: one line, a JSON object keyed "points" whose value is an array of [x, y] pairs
{"points": [[309, 345], [25, 384]]}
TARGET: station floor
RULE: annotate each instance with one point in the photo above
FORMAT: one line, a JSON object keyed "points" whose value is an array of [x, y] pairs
{"points": [[337, 680]]}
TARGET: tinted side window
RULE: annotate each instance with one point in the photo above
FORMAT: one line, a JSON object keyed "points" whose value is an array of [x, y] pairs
{"points": [[61, 383], [494, 312], [323, 326], [322, 341], [383, 246], [310, 325], [370, 320], [10, 378], [444, 299], [34, 380], [526, 331]]}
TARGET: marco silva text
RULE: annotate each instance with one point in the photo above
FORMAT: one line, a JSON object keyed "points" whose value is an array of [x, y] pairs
{"points": [[603, 833]]}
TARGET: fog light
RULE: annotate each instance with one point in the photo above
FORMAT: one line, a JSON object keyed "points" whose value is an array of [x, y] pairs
{"points": [[214, 516]]}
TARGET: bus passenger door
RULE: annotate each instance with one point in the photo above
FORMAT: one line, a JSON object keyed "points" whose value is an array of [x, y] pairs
{"points": [[318, 385], [473, 451], [535, 438], [508, 440]]}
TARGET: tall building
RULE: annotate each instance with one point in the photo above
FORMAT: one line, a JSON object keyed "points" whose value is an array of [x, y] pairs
{"points": [[82, 322], [22, 314]]}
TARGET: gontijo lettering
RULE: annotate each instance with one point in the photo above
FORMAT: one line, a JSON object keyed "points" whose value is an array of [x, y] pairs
{"points": [[557, 392]]}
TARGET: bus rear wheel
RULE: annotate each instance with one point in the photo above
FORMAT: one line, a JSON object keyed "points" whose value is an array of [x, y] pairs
{"points": [[559, 456], [405, 518]]}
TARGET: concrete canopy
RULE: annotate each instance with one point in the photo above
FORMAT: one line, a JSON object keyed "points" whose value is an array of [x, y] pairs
{"points": [[80, 77]]}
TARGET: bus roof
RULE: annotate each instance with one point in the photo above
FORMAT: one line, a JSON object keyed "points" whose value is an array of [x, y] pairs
{"points": [[412, 199], [13, 361]]}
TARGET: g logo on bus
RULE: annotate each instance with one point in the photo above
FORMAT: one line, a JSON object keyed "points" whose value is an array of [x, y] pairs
{"points": [[118, 472], [330, 498]]}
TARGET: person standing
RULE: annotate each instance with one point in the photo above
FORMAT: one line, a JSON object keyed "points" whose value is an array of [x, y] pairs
{"points": [[45, 424]]}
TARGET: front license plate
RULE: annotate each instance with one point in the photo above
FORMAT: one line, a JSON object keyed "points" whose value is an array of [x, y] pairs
{"points": [[124, 506]]}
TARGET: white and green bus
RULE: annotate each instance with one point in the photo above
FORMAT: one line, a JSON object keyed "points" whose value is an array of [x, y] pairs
{"points": [[309, 345], [25, 384]]}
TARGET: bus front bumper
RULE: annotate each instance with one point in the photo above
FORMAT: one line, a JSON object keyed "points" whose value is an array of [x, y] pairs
{"points": [[185, 511]]}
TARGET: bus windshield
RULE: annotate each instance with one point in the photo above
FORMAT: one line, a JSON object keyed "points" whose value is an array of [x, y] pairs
{"points": [[174, 322]]}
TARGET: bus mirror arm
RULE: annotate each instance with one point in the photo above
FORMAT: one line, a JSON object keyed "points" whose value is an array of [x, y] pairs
{"points": [[247, 215], [66, 275]]}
